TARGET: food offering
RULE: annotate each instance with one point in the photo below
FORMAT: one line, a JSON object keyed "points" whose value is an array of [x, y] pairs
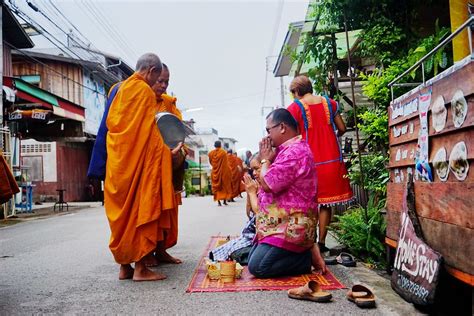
{"points": [[438, 114], [458, 162], [458, 108], [441, 165]]}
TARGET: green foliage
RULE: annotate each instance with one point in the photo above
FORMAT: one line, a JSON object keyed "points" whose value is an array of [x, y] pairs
{"points": [[373, 123], [375, 174], [188, 174], [364, 239], [378, 41]]}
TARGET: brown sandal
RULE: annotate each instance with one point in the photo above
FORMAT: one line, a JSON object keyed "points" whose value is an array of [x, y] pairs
{"points": [[362, 296], [311, 291]]}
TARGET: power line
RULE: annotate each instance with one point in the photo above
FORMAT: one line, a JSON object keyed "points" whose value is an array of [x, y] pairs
{"points": [[117, 36], [108, 30], [67, 20], [24, 53], [24, 17], [27, 19], [58, 27]]}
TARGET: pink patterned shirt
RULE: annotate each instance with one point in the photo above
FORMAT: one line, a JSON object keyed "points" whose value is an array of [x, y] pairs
{"points": [[286, 215]]}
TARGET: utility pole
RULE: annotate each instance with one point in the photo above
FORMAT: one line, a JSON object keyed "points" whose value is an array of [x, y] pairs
{"points": [[282, 87]]}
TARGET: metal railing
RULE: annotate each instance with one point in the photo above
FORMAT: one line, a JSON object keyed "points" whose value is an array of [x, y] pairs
{"points": [[466, 24]]}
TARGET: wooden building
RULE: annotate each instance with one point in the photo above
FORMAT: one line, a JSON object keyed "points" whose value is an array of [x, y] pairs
{"points": [[57, 152], [444, 205]]}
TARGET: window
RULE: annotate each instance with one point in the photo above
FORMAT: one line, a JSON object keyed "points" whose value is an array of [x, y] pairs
{"points": [[34, 167], [36, 148]]}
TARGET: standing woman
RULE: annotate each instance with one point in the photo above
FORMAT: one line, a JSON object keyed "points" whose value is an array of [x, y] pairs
{"points": [[321, 124]]}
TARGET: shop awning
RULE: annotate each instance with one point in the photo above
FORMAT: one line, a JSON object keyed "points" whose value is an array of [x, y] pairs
{"points": [[9, 94], [44, 99]]}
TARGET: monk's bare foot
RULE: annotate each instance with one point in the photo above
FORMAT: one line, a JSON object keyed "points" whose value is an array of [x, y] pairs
{"points": [[150, 260], [165, 257], [142, 273], [225, 203], [317, 261], [126, 272], [219, 203]]}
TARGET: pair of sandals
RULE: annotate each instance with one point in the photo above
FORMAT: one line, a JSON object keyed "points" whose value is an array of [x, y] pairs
{"points": [[360, 294], [344, 258]]}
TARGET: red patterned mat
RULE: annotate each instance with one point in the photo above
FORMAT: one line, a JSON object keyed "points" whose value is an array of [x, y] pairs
{"points": [[201, 283]]}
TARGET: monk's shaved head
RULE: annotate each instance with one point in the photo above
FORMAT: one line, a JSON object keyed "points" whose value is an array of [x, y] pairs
{"points": [[147, 61]]}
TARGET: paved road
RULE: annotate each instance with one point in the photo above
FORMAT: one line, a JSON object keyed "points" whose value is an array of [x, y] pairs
{"points": [[62, 265]]}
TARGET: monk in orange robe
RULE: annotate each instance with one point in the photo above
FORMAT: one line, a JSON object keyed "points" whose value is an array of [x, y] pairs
{"points": [[167, 103], [221, 176], [137, 203], [236, 167]]}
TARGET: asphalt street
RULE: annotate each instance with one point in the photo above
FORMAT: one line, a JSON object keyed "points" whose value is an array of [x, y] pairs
{"points": [[62, 265]]}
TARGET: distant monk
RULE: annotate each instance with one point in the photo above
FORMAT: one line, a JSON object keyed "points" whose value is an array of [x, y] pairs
{"points": [[236, 167], [221, 176], [167, 103], [136, 202]]}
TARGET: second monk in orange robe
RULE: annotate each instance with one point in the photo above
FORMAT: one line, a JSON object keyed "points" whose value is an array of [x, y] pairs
{"points": [[221, 176], [167, 103]]}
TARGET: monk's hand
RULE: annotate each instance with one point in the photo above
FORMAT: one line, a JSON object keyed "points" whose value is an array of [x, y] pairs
{"points": [[177, 148], [251, 185], [266, 149]]}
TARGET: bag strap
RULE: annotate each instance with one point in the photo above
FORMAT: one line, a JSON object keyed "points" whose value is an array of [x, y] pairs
{"points": [[332, 116], [305, 118]]}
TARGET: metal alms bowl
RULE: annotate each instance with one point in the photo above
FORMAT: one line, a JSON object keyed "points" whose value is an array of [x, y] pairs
{"points": [[171, 128]]}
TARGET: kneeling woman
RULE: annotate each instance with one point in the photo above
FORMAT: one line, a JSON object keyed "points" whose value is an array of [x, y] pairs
{"points": [[287, 209]]}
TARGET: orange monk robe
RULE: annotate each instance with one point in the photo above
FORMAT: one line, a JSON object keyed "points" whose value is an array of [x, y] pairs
{"points": [[137, 203], [236, 167], [221, 176], [242, 172], [167, 103]]}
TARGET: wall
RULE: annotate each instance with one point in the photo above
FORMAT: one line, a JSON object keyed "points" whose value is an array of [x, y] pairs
{"points": [[51, 79], [7, 60], [64, 166], [73, 161], [94, 102]]}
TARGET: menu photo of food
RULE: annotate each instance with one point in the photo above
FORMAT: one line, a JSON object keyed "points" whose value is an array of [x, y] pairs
{"points": [[441, 164], [438, 114], [458, 162], [458, 108]]}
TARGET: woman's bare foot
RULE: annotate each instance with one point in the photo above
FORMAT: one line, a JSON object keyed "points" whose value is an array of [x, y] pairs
{"points": [[165, 257], [317, 261], [126, 272], [142, 273]]}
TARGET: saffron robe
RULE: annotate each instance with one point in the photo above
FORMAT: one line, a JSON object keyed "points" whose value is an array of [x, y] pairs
{"points": [[236, 167], [167, 103], [221, 176], [137, 203]]}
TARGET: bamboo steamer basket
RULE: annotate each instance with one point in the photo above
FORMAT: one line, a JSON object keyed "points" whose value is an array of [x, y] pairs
{"points": [[227, 271]]}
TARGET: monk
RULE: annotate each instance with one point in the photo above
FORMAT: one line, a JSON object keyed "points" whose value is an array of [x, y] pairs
{"points": [[236, 167], [167, 103], [221, 176], [136, 201]]}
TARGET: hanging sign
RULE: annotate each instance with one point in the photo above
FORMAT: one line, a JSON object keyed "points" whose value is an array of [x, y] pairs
{"points": [[34, 115], [416, 267]]}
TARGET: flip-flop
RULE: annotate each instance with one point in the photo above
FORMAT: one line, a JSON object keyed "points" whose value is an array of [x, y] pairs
{"points": [[362, 296], [330, 260], [311, 291], [346, 259]]}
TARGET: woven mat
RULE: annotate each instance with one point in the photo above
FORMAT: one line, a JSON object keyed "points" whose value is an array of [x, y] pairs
{"points": [[201, 283]]}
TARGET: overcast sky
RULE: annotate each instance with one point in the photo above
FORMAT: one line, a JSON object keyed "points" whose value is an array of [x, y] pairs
{"points": [[216, 51]]}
